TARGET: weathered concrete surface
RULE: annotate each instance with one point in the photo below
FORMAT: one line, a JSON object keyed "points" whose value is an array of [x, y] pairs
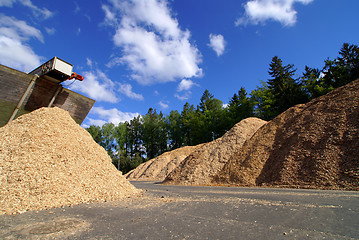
{"points": [[182, 212]]}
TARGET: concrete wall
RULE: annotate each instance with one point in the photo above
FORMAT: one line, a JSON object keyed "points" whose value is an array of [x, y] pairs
{"points": [[13, 85]]}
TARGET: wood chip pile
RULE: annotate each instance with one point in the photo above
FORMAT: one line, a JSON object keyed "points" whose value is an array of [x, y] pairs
{"points": [[206, 161], [158, 168], [314, 145], [47, 160]]}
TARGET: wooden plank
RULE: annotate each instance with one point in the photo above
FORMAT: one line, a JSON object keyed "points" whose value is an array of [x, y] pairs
{"points": [[22, 99], [13, 84], [76, 104], [41, 95]]}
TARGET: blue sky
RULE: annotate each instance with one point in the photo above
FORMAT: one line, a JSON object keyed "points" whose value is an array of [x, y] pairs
{"points": [[155, 53]]}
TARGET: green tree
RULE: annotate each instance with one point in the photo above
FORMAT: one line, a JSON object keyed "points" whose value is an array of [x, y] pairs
{"points": [[186, 115], [134, 138], [175, 133], [263, 100], [199, 130], [209, 103], [349, 58], [312, 84], [105, 136], [343, 69], [120, 136], [108, 142], [154, 133], [96, 133], [284, 88], [240, 107], [212, 115], [127, 163]]}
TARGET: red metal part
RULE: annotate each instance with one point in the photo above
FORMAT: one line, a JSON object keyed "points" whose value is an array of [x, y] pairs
{"points": [[76, 76]]}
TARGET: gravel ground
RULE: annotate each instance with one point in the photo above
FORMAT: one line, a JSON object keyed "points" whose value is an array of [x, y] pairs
{"points": [[195, 212]]}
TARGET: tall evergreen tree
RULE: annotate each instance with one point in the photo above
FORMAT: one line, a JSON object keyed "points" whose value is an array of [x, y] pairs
{"points": [[209, 103], [286, 91], [135, 137], [349, 58], [154, 133], [108, 142], [240, 107], [175, 132], [264, 101], [96, 133], [212, 111], [199, 129], [312, 84], [120, 157], [343, 69], [186, 115], [151, 130]]}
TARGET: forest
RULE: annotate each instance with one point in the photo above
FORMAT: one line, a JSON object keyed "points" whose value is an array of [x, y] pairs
{"points": [[145, 137]]}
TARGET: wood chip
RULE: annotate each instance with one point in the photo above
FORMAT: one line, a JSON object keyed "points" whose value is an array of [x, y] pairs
{"points": [[199, 167], [313, 145], [47, 160]]}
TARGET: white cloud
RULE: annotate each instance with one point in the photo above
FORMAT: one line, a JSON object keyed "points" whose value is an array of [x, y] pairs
{"points": [[89, 62], [18, 29], [50, 31], [184, 96], [163, 105], [98, 86], [110, 115], [91, 121], [14, 35], [14, 52], [154, 47], [77, 8], [260, 11], [110, 17], [39, 12], [217, 43], [126, 89], [6, 3], [185, 85]]}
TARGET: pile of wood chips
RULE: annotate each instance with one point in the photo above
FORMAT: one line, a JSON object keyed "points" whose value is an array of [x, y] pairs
{"points": [[47, 160], [158, 168], [314, 145], [207, 160]]}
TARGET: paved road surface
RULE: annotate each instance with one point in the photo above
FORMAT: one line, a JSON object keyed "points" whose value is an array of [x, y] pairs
{"points": [[179, 212]]}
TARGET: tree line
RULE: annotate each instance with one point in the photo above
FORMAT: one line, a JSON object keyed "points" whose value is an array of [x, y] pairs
{"points": [[145, 137]]}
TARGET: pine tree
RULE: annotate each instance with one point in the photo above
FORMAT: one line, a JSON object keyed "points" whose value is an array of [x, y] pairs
{"points": [[240, 107], [343, 69], [174, 129], [286, 91]]}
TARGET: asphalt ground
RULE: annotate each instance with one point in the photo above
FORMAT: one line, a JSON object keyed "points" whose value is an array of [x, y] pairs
{"points": [[189, 212]]}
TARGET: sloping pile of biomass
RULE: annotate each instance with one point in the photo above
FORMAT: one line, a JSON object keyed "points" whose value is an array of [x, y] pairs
{"points": [[47, 160], [158, 168], [314, 145], [134, 174], [205, 162]]}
